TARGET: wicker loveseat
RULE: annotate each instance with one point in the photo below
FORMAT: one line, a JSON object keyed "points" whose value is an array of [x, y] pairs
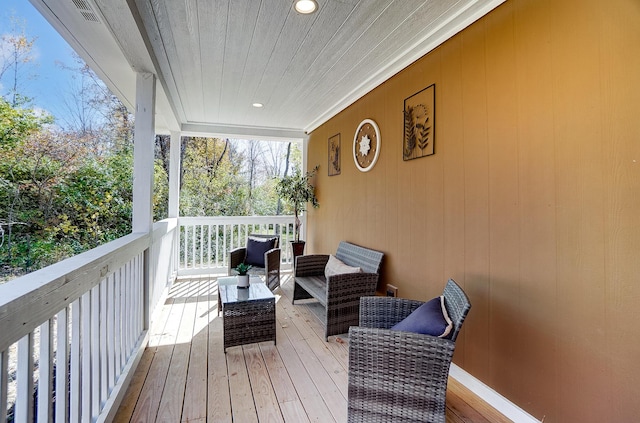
{"points": [[271, 269], [397, 376], [339, 294]]}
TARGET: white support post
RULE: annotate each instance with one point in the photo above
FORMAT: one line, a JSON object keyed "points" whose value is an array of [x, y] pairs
{"points": [[305, 167], [174, 174], [143, 154]]}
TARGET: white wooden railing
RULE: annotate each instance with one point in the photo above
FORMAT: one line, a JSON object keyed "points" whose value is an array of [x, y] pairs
{"points": [[205, 242], [76, 329], [71, 334]]}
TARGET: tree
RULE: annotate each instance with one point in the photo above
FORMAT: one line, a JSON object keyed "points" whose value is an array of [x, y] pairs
{"points": [[85, 100], [254, 153], [63, 191], [211, 181], [276, 156], [68, 188], [15, 55], [297, 190], [17, 126], [17, 123]]}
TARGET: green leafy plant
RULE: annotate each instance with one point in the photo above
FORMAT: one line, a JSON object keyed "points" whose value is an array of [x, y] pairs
{"points": [[243, 268], [297, 190]]}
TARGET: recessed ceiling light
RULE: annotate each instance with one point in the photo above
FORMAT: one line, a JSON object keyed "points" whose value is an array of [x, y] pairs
{"points": [[306, 6], [258, 105]]}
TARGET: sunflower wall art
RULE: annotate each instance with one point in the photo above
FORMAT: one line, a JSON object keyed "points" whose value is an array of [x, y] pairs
{"points": [[419, 124]]}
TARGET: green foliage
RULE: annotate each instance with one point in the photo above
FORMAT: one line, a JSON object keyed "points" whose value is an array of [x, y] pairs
{"points": [[60, 196], [297, 190], [160, 192], [211, 181], [92, 206], [265, 198], [62, 193], [17, 123], [243, 268]]}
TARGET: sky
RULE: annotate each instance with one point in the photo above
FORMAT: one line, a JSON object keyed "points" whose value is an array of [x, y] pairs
{"points": [[48, 81]]}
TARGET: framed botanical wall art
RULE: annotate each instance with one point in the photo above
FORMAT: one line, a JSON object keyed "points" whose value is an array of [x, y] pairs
{"points": [[419, 124], [334, 155]]}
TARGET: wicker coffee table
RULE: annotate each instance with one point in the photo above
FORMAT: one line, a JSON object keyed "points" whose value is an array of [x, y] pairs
{"points": [[248, 315], [233, 280]]}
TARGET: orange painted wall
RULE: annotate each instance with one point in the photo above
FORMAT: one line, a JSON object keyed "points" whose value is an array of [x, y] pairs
{"points": [[531, 202]]}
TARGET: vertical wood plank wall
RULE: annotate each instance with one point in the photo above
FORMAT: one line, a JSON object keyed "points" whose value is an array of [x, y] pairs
{"points": [[531, 201]]}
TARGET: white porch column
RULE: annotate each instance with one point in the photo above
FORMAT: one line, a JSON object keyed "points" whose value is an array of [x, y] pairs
{"points": [[305, 167], [174, 174], [143, 153]]}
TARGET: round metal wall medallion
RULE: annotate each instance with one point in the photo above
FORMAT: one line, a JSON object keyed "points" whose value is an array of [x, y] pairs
{"points": [[366, 145]]}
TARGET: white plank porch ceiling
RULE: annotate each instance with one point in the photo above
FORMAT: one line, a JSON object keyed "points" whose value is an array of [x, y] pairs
{"points": [[214, 58]]}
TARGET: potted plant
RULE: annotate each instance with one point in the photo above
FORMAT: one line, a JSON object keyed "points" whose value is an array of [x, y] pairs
{"points": [[297, 191], [243, 277]]}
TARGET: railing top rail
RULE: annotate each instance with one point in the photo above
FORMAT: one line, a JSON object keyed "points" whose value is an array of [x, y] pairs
{"points": [[163, 227], [213, 220]]}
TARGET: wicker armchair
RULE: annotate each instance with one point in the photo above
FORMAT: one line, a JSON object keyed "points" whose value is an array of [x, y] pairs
{"points": [[399, 376], [271, 270]]}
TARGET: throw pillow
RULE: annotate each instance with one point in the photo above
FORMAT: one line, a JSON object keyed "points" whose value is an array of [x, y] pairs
{"points": [[431, 318], [336, 267], [256, 248]]}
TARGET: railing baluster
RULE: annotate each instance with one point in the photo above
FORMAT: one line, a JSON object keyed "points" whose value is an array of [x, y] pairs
{"points": [[126, 311], [76, 392], [201, 245], [133, 309], [137, 294], [218, 261], [24, 377], [4, 383], [95, 348], [187, 250], [85, 339], [184, 247], [62, 365], [193, 247], [117, 301], [209, 245], [45, 372], [104, 352], [132, 284], [130, 312], [224, 245], [133, 304]]}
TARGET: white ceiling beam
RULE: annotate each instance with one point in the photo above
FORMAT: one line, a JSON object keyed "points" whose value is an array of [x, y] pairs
{"points": [[243, 132]]}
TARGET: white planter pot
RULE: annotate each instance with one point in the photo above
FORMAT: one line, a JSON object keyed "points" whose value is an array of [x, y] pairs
{"points": [[243, 281]]}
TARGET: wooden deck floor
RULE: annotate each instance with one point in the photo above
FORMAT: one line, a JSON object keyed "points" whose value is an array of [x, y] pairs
{"points": [[184, 375]]}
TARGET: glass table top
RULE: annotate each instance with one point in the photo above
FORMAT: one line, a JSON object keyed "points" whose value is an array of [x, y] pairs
{"points": [[230, 293]]}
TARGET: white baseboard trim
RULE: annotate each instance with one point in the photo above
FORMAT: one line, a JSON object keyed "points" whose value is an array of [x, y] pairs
{"points": [[491, 397]]}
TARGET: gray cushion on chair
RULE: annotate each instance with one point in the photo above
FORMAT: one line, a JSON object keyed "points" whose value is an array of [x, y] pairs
{"points": [[256, 248]]}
